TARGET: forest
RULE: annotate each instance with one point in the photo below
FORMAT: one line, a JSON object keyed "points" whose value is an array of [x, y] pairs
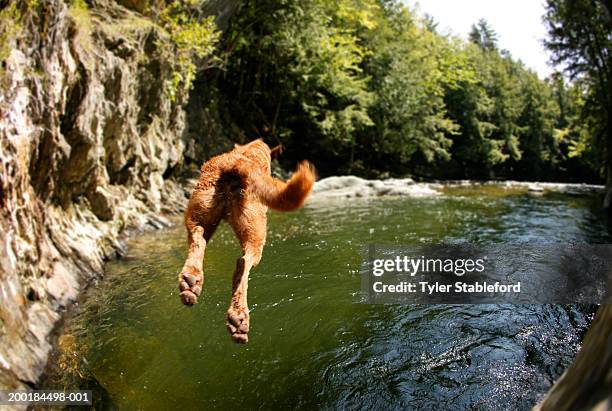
{"points": [[370, 87]]}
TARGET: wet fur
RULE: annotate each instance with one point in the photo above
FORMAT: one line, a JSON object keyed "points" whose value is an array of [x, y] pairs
{"points": [[237, 187]]}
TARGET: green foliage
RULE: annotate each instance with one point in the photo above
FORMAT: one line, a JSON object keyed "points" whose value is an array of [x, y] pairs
{"points": [[10, 24], [410, 71], [580, 37], [79, 11], [295, 71], [574, 133], [193, 37], [367, 86], [483, 35], [79, 5], [325, 66], [12, 15]]}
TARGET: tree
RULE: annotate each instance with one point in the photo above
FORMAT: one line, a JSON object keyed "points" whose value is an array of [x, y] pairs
{"points": [[483, 35], [294, 73], [487, 106], [539, 117], [409, 69], [580, 37], [579, 158]]}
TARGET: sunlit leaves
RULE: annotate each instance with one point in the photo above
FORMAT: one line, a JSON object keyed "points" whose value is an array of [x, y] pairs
{"points": [[369, 82], [194, 37]]}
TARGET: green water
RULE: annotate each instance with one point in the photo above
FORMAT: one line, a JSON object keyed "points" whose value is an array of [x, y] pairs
{"points": [[311, 345]]}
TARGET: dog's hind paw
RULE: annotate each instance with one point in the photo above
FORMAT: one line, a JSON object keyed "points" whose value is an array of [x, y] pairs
{"points": [[238, 324], [190, 286]]}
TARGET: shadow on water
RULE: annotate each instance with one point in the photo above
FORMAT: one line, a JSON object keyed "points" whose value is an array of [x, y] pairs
{"points": [[311, 344]]}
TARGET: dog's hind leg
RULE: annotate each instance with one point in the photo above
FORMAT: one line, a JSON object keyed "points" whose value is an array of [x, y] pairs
{"points": [[191, 276], [250, 227]]}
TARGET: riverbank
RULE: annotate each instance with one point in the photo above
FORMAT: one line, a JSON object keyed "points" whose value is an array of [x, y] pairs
{"points": [[338, 187], [78, 245]]}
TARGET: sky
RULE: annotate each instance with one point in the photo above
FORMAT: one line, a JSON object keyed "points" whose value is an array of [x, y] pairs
{"points": [[518, 24]]}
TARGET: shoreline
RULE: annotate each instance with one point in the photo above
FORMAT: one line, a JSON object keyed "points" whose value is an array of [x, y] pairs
{"points": [[337, 187], [85, 247]]}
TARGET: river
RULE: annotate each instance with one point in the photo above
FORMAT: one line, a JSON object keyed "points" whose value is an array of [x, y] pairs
{"points": [[312, 344]]}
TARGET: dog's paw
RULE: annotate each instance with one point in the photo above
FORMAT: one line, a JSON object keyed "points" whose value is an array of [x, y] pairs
{"points": [[238, 324], [190, 286]]}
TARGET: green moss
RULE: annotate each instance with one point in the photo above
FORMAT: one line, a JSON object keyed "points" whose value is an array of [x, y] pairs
{"points": [[10, 25], [79, 11], [80, 5], [128, 26]]}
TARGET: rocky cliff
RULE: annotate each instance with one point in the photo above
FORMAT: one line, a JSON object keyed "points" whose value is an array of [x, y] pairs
{"points": [[91, 139]]}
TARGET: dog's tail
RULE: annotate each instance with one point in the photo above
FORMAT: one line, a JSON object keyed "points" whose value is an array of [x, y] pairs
{"points": [[285, 196]]}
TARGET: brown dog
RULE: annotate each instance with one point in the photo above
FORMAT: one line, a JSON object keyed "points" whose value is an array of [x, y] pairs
{"points": [[237, 186]]}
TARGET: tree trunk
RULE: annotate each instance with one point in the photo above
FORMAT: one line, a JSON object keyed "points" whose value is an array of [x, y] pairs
{"points": [[587, 383], [608, 198]]}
